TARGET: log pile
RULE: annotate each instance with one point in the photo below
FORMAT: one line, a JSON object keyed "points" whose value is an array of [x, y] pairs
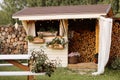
{"points": [[115, 44], [84, 43], [13, 40]]}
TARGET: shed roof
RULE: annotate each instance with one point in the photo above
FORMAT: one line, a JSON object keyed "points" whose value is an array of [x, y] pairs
{"points": [[62, 12]]}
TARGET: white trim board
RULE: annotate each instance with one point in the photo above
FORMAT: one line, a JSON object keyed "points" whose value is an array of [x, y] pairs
{"points": [[19, 73], [62, 16], [14, 57], [12, 64]]}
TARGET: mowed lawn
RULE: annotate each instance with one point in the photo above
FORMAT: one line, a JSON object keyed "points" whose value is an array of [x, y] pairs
{"points": [[65, 74]]}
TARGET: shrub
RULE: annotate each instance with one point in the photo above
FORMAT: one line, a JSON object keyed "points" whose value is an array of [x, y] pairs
{"points": [[40, 63], [116, 63]]}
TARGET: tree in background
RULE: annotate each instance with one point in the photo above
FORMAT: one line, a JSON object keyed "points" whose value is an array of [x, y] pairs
{"points": [[115, 4], [9, 7], [35, 3], [3, 18]]}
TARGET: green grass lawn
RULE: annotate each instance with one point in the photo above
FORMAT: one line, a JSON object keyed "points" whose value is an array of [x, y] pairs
{"points": [[66, 74]]}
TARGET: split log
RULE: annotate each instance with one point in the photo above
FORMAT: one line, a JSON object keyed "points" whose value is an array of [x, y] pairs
{"points": [[2, 28], [6, 29], [12, 40], [16, 39], [21, 38], [8, 40], [13, 35], [9, 36], [23, 34], [10, 29], [3, 33]]}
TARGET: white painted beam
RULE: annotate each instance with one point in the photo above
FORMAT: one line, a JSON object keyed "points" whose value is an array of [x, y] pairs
{"points": [[61, 16], [15, 57], [19, 73], [12, 64]]}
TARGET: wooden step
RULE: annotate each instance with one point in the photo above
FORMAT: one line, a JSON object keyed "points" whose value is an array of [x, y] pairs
{"points": [[19, 73], [89, 65], [83, 68], [14, 57]]}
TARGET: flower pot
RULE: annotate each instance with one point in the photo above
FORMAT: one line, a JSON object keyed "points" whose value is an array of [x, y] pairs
{"points": [[38, 41], [58, 46], [73, 59], [46, 34], [50, 46]]}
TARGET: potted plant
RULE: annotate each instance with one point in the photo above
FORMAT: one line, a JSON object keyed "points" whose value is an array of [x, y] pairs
{"points": [[36, 40], [30, 38], [39, 39], [73, 57], [57, 43], [40, 63]]}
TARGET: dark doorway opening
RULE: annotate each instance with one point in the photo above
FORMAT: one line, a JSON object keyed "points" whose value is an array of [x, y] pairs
{"points": [[82, 38]]}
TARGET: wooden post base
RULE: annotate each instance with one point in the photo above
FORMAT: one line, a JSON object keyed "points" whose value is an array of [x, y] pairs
{"points": [[23, 67], [30, 77]]}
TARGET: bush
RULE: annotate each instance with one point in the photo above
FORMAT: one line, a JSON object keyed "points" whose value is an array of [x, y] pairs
{"points": [[40, 63], [116, 63]]}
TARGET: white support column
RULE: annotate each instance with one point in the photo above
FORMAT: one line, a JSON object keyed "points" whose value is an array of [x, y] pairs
{"points": [[24, 23], [105, 31], [63, 27], [29, 27], [65, 22]]}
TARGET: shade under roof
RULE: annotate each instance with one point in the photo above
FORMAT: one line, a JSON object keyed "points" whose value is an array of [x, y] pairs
{"points": [[62, 12]]}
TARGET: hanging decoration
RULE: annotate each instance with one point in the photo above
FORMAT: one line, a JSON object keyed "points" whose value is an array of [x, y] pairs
{"points": [[16, 25]]}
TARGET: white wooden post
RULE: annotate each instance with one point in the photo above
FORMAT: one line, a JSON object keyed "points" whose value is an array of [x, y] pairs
{"points": [[29, 27], [63, 27]]}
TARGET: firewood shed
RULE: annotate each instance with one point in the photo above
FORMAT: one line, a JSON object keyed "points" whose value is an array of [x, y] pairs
{"points": [[72, 23]]}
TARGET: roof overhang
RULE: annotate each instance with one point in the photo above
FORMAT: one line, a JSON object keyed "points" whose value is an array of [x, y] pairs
{"points": [[61, 16], [62, 12]]}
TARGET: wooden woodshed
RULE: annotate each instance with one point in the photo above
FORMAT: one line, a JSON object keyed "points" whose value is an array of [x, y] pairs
{"points": [[62, 18], [67, 20]]}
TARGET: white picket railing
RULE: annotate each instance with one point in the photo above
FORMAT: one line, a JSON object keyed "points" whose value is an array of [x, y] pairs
{"points": [[16, 73]]}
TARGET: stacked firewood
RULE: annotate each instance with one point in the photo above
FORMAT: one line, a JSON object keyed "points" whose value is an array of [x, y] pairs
{"points": [[84, 43], [13, 40], [115, 44]]}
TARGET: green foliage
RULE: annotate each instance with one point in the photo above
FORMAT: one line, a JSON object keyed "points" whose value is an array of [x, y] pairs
{"points": [[9, 7], [41, 63], [96, 55], [57, 40], [40, 36], [116, 63], [64, 74], [35, 3], [115, 5], [3, 18], [30, 38]]}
